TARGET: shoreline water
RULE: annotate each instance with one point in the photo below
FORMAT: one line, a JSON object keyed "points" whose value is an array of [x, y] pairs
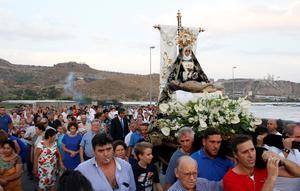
{"points": [[284, 111]]}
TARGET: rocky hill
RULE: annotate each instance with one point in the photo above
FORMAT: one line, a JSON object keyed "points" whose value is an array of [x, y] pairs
{"points": [[262, 89], [73, 80]]}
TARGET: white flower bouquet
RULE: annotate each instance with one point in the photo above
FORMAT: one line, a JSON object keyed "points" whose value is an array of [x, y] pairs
{"points": [[227, 115]]}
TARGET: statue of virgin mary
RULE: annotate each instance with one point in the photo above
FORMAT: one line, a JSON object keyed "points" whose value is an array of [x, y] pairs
{"points": [[186, 73]]}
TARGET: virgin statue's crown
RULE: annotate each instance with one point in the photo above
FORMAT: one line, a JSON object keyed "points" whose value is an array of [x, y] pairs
{"points": [[185, 38]]}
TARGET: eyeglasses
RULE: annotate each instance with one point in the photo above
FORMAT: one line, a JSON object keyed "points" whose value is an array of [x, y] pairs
{"points": [[188, 174]]}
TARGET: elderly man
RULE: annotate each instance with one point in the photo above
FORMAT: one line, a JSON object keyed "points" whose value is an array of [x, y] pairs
{"points": [[211, 165], [246, 177], [86, 150], [84, 126], [186, 173], [104, 171], [132, 128], [185, 139]]}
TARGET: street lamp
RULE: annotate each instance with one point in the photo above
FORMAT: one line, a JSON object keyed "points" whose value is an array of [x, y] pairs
{"points": [[150, 92], [234, 67]]}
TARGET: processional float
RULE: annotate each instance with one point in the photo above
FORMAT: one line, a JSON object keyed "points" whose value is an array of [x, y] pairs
{"points": [[187, 97]]}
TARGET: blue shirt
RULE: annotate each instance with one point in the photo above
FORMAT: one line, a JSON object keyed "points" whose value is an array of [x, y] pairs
{"points": [[211, 169], [124, 175], [5, 120], [170, 174], [201, 185], [135, 138], [86, 143], [23, 147]]}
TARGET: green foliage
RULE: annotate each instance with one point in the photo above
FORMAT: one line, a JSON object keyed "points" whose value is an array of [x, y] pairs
{"points": [[66, 98], [29, 94], [50, 92], [133, 96], [23, 79]]}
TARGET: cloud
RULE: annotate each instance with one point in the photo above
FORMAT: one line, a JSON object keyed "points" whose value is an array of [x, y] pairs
{"points": [[272, 52], [127, 62], [253, 35], [39, 28], [220, 18], [104, 41]]}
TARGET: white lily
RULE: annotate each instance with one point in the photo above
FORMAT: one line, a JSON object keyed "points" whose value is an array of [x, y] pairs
{"points": [[235, 120], [165, 131], [163, 107]]}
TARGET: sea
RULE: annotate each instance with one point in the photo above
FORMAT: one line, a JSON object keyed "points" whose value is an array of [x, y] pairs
{"points": [[274, 110], [289, 111]]}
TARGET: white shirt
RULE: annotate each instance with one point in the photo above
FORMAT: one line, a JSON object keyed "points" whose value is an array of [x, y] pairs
{"points": [[29, 132], [92, 113], [274, 149], [64, 114], [39, 139], [112, 114], [84, 128], [277, 133], [127, 138], [289, 184]]}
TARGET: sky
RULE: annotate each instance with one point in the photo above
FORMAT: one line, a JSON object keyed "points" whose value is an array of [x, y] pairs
{"points": [[259, 38]]}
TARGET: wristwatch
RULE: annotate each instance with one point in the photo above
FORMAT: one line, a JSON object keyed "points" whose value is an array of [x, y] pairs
{"points": [[286, 150]]}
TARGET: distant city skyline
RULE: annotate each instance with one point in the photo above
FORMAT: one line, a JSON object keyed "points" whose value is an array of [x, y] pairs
{"points": [[259, 38]]}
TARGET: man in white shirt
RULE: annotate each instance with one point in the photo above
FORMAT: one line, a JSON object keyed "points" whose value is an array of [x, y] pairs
{"points": [[29, 132], [132, 128], [292, 154], [92, 113], [84, 126], [113, 113], [65, 114]]}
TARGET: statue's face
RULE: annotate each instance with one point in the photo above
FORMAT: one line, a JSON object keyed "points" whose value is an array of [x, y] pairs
{"points": [[187, 52], [188, 66]]}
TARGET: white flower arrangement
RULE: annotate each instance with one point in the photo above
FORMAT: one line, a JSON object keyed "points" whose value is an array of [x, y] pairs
{"points": [[229, 116]]}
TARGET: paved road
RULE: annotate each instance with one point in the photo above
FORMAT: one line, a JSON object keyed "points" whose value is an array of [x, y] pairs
{"points": [[28, 185]]}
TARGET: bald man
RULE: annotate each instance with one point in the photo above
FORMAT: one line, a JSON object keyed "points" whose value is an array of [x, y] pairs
{"points": [[186, 173]]}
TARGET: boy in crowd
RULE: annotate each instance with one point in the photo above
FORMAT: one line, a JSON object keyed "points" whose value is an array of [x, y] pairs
{"points": [[145, 174]]}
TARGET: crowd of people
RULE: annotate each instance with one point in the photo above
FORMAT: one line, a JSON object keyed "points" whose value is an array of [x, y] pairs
{"points": [[108, 149]]}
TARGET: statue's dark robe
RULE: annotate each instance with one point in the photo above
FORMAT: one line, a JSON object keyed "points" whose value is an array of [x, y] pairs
{"points": [[177, 75], [177, 71]]}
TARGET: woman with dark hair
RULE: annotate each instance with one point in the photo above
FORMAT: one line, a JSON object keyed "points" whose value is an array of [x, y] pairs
{"points": [[10, 167], [20, 147], [39, 133], [45, 161], [70, 146], [73, 180], [120, 149]]}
